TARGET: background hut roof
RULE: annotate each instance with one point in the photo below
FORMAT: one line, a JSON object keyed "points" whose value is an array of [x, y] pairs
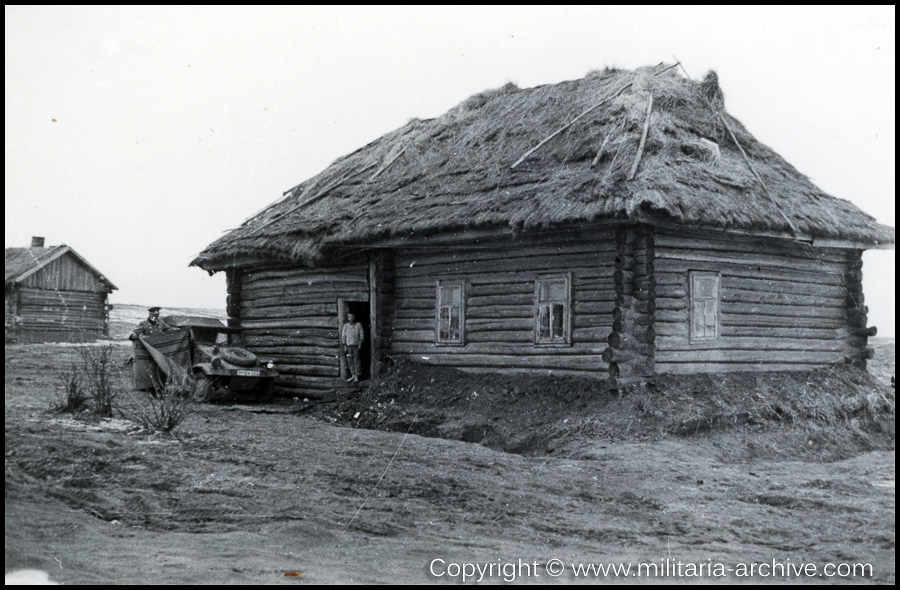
{"points": [[455, 172], [21, 263]]}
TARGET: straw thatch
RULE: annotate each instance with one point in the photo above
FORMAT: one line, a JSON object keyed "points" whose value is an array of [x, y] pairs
{"points": [[455, 172]]}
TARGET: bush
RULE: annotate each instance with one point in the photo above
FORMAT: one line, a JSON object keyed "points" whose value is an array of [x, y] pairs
{"points": [[73, 397], [97, 366], [167, 408]]}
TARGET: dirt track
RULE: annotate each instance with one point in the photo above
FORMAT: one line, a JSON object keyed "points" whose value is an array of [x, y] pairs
{"points": [[250, 493]]}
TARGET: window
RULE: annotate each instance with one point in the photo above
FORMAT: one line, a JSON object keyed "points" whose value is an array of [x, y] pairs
{"points": [[552, 310], [704, 306], [451, 313]]}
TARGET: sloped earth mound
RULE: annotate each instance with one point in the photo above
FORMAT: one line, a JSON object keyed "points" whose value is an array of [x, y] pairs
{"points": [[829, 414]]}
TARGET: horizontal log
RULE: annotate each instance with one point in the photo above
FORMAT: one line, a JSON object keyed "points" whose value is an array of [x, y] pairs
{"points": [[332, 274], [426, 335], [674, 343], [493, 273], [487, 325], [302, 290], [835, 289], [521, 311], [291, 333], [429, 304], [290, 323], [704, 241], [506, 299], [287, 311], [734, 367], [498, 280], [33, 293], [296, 363], [288, 351], [515, 337], [511, 252], [751, 272], [781, 332], [773, 298], [785, 263], [329, 298], [591, 334], [313, 371], [500, 363], [749, 356], [528, 349], [786, 311], [777, 321], [671, 304], [594, 308], [282, 341]]}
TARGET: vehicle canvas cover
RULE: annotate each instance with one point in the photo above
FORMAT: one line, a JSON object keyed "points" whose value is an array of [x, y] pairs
{"points": [[174, 346]]}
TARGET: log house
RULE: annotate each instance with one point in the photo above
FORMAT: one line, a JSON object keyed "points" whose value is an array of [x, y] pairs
{"points": [[622, 225], [54, 294]]}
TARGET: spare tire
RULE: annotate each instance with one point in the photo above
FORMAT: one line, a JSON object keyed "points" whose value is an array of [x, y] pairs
{"points": [[238, 356]]}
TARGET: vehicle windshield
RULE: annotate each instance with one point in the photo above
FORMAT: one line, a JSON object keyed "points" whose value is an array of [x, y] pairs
{"points": [[206, 336]]}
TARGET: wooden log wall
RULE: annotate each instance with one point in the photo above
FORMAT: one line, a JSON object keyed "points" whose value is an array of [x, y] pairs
{"points": [[782, 305], [631, 344], [500, 302], [290, 315], [56, 312]]}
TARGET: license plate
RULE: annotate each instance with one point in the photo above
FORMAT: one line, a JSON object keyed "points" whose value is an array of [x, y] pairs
{"points": [[244, 373]]}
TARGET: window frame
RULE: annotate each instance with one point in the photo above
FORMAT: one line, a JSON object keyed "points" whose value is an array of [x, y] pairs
{"points": [[568, 314], [461, 284], [717, 298]]}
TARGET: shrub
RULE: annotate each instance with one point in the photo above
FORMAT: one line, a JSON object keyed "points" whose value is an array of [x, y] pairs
{"points": [[171, 403], [73, 397], [97, 366]]}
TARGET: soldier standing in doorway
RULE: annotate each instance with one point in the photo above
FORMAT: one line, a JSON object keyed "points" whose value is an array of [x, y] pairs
{"points": [[352, 337]]}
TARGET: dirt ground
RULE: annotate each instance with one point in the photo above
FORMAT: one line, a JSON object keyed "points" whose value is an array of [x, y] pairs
{"points": [[427, 465]]}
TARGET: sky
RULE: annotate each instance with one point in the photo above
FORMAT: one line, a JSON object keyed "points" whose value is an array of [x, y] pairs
{"points": [[138, 135]]}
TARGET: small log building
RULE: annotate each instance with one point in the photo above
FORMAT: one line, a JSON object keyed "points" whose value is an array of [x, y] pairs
{"points": [[622, 225], [53, 294]]}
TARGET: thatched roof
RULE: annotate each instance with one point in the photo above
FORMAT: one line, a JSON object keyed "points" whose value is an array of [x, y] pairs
{"points": [[21, 263], [456, 172]]}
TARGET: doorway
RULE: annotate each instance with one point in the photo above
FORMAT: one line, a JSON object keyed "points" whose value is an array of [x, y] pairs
{"points": [[360, 309]]}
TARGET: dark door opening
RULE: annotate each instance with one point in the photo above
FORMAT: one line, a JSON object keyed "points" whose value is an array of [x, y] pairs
{"points": [[360, 309]]}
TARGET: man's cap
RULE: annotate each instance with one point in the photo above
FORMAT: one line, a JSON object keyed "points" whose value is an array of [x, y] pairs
{"points": [[152, 309]]}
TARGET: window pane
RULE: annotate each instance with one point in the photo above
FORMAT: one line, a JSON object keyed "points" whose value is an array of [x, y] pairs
{"points": [[709, 318], [450, 296], [544, 322], [557, 315], [553, 290]]}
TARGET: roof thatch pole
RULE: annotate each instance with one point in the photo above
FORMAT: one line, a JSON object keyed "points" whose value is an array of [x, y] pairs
{"points": [[585, 112], [600, 151], [794, 231], [640, 152]]}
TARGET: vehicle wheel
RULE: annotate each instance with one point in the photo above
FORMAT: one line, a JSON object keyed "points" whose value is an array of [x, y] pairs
{"points": [[239, 356], [208, 389]]}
